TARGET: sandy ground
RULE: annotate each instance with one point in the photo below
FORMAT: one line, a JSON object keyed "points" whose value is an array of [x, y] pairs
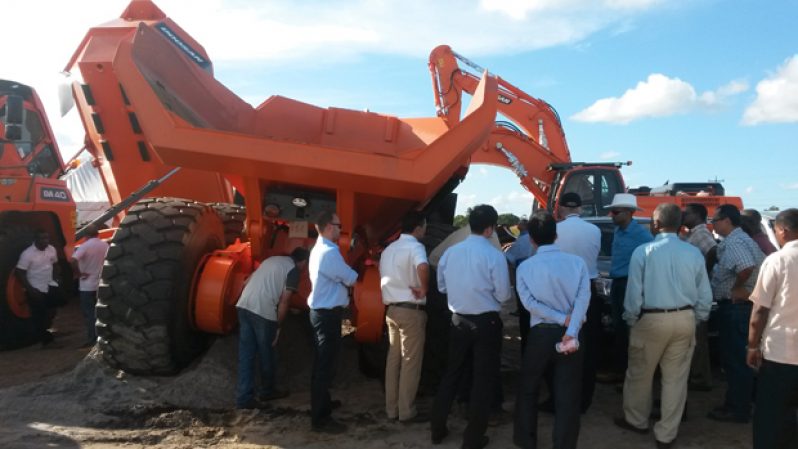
{"points": [[67, 398]]}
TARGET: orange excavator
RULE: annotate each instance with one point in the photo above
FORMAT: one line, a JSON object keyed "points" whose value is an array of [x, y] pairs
{"points": [[531, 142], [31, 198], [150, 104]]}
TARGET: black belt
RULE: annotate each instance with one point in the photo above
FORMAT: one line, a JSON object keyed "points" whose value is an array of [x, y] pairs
{"points": [[408, 305], [677, 309], [733, 301], [549, 326]]}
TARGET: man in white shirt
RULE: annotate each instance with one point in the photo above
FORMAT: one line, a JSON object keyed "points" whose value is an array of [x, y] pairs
{"points": [[37, 270], [87, 262], [330, 278], [475, 277], [404, 273], [580, 238], [261, 309], [772, 347]]}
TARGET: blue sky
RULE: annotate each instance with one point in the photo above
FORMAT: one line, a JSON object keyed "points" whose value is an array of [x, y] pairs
{"points": [[688, 90]]}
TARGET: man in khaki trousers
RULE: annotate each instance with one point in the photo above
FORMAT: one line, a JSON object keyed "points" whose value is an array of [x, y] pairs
{"points": [[404, 273], [667, 293]]}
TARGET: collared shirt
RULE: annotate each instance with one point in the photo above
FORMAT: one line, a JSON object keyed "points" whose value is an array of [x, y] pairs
{"points": [[329, 276], [474, 275], [737, 252], [553, 284], [580, 238], [520, 250], [777, 289], [701, 238], [90, 256], [399, 270], [624, 243], [666, 274], [38, 266], [261, 295], [454, 238]]}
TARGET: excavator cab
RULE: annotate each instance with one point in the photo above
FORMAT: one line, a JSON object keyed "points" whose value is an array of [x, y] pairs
{"points": [[596, 185]]}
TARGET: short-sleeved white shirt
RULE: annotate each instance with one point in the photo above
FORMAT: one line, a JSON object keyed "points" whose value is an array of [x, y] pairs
{"points": [[90, 256], [580, 238], [262, 293], [777, 289], [398, 269], [39, 266]]}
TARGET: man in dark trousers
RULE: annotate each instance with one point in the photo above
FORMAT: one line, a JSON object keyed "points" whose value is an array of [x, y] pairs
{"points": [[475, 277], [555, 287], [771, 339], [37, 270], [329, 276], [629, 234]]}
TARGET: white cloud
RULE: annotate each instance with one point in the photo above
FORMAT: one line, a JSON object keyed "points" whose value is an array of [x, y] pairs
{"points": [[657, 96], [793, 186], [301, 33], [776, 97], [521, 9], [749, 189], [609, 155]]}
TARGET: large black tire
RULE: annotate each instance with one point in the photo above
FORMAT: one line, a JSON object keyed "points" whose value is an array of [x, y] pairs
{"points": [[234, 219], [15, 332], [143, 320]]}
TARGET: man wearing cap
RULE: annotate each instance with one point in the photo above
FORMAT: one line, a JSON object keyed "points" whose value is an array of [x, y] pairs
{"points": [[629, 234], [580, 238]]}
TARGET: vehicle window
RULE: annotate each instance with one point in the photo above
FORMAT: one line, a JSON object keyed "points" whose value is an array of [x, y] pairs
{"points": [[583, 184], [609, 187], [32, 132], [45, 163]]}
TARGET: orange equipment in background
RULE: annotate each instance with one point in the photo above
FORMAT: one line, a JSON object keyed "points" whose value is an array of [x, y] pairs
{"points": [[531, 142], [31, 198], [149, 102]]}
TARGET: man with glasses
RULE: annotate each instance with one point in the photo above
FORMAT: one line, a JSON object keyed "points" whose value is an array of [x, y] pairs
{"points": [[694, 219], [475, 277], [330, 278], [733, 279], [629, 234]]}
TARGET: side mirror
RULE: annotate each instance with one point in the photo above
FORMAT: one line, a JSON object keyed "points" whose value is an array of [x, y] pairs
{"points": [[13, 118]]}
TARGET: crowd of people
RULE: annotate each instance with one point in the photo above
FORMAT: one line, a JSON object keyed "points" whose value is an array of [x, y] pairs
{"points": [[664, 283]]}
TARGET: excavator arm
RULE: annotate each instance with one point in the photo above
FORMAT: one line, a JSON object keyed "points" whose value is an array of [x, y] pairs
{"points": [[529, 142]]}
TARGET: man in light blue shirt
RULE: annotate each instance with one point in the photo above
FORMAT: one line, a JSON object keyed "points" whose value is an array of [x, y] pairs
{"points": [[667, 294], [629, 234], [330, 278], [555, 287], [475, 277]]}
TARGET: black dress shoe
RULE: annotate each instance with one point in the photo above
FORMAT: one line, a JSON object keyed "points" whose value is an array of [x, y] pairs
{"points": [[330, 426], [334, 404], [437, 437], [481, 444], [661, 445], [621, 422]]}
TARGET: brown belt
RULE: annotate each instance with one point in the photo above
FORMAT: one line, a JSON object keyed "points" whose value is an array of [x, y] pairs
{"points": [[677, 309], [408, 305]]}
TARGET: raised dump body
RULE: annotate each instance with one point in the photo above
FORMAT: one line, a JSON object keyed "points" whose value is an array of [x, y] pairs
{"points": [[169, 273]]}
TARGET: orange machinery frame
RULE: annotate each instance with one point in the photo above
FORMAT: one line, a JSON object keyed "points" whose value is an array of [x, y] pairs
{"points": [[33, 201], [376, 167], [533, 143]]}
